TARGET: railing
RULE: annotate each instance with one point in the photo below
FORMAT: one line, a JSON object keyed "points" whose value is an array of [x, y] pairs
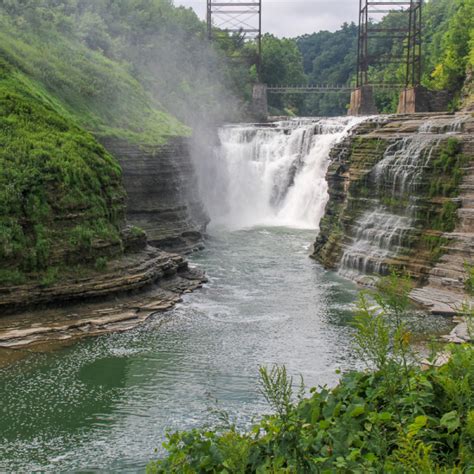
{"points": [[321, 88], [304, 89]]}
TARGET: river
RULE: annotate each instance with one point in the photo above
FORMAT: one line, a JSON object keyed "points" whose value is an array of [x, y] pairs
{"points": [[105, 403]]}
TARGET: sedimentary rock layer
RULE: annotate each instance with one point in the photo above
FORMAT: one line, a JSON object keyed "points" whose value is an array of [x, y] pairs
{"points": [[393, 206], [125, 295], [162, 192]]}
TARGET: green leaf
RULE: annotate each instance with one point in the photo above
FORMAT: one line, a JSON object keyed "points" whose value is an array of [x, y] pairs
{"points": [[419, 423], [384, 416], [451, 421], [357, 411]]}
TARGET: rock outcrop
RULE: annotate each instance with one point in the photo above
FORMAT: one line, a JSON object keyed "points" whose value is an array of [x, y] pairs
{"points": [[162, 192], [445, 291], [401, 198], [126, 293]]}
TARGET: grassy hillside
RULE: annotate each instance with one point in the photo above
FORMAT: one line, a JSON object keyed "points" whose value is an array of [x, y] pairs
{"points": [[98, 93], [60, 191]]}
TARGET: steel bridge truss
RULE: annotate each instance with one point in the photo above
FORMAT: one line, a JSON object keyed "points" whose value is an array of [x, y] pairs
{"points": [[370, 29], [242, 17]]}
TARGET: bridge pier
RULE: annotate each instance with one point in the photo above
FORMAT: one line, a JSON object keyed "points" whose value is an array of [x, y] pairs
{"points": [[420, 99], [362, 101], [260, 102]]}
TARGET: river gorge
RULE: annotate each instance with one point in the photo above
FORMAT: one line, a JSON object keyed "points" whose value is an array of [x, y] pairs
{"points": [[105, 403]]}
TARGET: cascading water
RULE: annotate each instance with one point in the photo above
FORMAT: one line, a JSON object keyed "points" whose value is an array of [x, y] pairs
{"points": [[273, 175], [380, 233]]}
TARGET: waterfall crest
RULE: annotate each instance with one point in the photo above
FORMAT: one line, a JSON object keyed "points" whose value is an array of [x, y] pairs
{"points": [[272, 175]]}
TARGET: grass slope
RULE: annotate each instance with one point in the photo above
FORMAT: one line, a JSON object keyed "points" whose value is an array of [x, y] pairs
{"points": [[59, 189], [100, 94]]}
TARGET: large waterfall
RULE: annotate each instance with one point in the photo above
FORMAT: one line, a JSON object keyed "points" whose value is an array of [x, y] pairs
{"points": [[272, 175]]}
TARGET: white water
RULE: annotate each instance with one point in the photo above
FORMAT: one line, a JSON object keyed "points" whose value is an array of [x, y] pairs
{"points": [[272, 175], [381, 232]]}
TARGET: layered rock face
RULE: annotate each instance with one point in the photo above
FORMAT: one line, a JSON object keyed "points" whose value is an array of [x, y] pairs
{"points": [[401, 198], [162, 192], [138, 269]]}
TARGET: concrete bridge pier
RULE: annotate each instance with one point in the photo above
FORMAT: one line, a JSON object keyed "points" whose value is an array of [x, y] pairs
{"points": [[419, 99], [362, 101], [260, 102]]}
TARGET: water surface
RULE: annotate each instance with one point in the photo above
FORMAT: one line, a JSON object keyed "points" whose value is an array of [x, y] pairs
{"points": [[105, 403]]}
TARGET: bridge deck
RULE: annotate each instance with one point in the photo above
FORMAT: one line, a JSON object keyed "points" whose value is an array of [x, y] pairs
{"points": [[321, 88]]}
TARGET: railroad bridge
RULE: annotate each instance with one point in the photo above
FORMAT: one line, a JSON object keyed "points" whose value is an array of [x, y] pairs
{"points": [[245, 18]]}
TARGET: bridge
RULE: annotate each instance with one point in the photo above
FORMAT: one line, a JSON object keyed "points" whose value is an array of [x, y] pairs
{"points": [[244, 17], [323, 88]]}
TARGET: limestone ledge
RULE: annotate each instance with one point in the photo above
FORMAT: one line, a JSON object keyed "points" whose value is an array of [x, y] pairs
{"points": [[125, 295]]}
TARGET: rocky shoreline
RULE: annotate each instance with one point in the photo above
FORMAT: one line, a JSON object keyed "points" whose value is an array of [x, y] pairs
{"points": [[141, 275], [125, 301]]}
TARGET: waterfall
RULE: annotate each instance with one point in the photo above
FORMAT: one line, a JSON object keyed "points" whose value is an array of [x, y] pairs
{"points": [[272, 175], [381, 233]]}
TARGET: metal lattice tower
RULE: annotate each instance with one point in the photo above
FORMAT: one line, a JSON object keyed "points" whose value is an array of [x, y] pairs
{"points": [[242, 17], [370, 30]]}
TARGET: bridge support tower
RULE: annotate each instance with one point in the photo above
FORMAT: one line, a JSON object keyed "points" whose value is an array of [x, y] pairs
{"points": [[369, 55], [362, 101]]}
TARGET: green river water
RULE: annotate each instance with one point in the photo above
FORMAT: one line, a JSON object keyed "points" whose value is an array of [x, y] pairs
{"points": [[104, 404]]}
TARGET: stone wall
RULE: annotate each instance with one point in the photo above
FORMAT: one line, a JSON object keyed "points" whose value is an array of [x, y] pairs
{"points": [[162, 193]]}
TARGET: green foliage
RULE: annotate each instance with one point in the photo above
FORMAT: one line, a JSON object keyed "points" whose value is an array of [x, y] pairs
{"points": [[396, 418], [448, 217], [282, 64], [11, 277], [470, 279], [101, 264], [49, 170], [329, 58], [50, 276], [448, 49], [458, 48], [136, 231], [360, 426], [147, 59], [434, 244], [89, 88], [277, 389], [448, 170]]}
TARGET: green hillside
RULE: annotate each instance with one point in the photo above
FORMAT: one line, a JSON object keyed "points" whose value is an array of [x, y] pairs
{"points": [[59, 189], [98, 93]]}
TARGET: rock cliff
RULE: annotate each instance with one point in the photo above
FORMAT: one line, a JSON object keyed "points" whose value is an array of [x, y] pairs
{"points": [[162, 193], [401, 197]]}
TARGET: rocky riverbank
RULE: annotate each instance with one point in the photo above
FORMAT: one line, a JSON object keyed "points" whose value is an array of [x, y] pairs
{"points": [[118, 299], [116, 284], [401, 197]]}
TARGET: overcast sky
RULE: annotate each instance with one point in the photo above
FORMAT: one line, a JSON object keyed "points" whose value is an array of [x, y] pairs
{"points": [[296, 17]]}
